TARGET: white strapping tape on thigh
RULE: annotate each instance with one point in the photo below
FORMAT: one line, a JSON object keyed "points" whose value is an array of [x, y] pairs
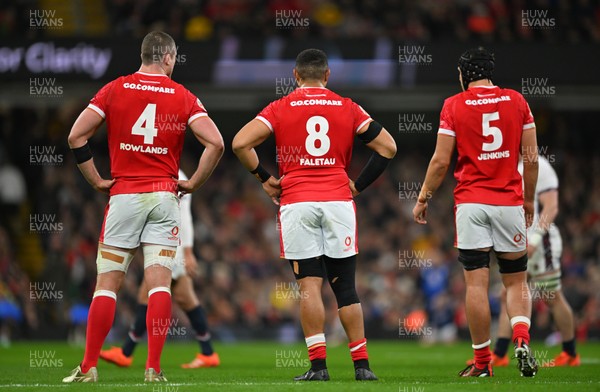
{"points": [[110, 259], [159, 254]]}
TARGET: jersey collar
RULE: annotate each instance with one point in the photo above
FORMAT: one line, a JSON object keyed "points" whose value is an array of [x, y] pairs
{"points": [[150, 74]]}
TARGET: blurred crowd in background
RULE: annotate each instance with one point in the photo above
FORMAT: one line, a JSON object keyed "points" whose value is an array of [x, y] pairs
{"points": [[407, 273], [405, 20]]}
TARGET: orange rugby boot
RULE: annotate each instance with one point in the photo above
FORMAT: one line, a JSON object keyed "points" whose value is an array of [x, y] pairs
{"points": [[115, 355], [203, 361]]}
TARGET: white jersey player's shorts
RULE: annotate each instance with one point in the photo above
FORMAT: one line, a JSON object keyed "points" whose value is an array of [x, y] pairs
{"points": [[482, 226], [178, 269], [312, 229], [543, 266]]}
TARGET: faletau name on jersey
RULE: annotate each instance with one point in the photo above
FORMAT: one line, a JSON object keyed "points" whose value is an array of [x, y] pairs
{"points": [[311, 102], [144, 149], [485, 101], [486, 156], [317, 161], [146, 87]]}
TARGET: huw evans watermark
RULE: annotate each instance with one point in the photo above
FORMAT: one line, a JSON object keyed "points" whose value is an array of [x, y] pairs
{"points": [[44, 19], [291, 19]]}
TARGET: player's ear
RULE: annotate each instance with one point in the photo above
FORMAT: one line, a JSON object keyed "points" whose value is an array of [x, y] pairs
{"points": [[460, 78], [296, 76], [327, 73]]}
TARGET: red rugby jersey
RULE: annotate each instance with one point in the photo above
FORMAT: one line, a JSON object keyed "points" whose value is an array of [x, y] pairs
{"points": [[146, 117], [314, 132]]}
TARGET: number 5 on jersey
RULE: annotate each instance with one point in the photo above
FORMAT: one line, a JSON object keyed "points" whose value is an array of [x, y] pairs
{"points": [[494, 132], [144, 125]]}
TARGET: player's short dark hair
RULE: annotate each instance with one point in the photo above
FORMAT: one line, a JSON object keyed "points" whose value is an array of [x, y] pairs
{"points": [[312, 64], [476, 64], [155, 45]]}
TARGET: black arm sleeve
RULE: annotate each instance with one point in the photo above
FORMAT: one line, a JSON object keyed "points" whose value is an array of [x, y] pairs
{"points": [[371, 171], [373, 130], [82, 154]]}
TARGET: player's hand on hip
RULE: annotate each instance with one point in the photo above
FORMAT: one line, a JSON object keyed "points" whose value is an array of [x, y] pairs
{"points": [[104, 185], [191, 264], [184, 186], [353, 188], [529, 210], [420, 213], [272, 188], [531, 249]]}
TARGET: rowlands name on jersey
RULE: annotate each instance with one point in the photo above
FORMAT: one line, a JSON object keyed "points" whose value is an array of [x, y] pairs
{"points": [[146, 118]]}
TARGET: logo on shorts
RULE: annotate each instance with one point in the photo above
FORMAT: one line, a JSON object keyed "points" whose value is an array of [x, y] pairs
{"points": [[518, 238], [348, 243], [174, 232]]}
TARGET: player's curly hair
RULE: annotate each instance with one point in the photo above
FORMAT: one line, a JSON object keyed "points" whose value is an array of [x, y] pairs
{"points": [[155, 45], [476, 64], [311, 64]]}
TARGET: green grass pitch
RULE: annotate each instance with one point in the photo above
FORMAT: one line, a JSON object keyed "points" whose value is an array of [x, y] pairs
{"points": [[267, 366]]}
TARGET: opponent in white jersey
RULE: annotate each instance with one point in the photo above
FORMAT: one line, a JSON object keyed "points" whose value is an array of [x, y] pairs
{"points": [[544, 249], [543, 237]]}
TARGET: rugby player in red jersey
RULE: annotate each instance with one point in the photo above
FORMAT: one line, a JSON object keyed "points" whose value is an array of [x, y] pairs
{"points": [[489, 127], [184, 268], [314, 130], [146, 114]]}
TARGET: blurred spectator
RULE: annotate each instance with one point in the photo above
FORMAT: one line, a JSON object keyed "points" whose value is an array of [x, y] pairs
{"points": [[13, 191], [416, 20]]}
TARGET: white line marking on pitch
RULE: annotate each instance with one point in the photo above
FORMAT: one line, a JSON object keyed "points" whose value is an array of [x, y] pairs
{"points": [[108, 384]]}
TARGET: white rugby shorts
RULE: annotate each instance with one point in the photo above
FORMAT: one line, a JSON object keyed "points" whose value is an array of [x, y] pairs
{"points": [[543, 265], [178, 269], [134, 218], [487, 226], [312, 229]]}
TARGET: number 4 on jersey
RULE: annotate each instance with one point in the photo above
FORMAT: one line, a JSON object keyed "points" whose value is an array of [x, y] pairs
{"points": [[144, 125]]}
